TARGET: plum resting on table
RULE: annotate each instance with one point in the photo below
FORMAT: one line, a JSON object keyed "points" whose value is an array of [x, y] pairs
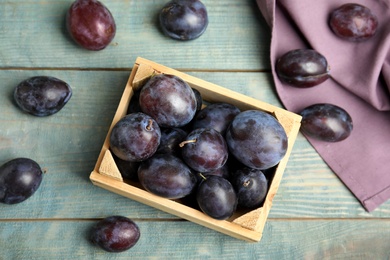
{"points": [[19, 179], [115, 234], [90, 24], [184, 19], [42, 95]]}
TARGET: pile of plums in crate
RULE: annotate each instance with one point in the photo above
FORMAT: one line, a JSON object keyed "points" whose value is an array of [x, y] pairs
{"points": [[215, 155]]}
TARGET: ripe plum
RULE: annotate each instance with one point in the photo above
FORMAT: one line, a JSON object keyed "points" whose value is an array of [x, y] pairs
{"points": [[167, 176], [184, 19], [135, 137], [204, 150], [90, 24], [19, 179], [216, 197], [115, 234], [353, 22], [326, 122], [42, 95], [217, 116], [169, 100], [251, 187], [256, 139], [302, 68]]}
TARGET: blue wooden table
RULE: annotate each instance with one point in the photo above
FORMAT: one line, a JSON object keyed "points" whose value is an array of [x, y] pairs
{"points": [[314, 216]]}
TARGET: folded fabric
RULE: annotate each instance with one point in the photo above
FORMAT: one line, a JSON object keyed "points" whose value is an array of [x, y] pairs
{"points": [[360, 80]]}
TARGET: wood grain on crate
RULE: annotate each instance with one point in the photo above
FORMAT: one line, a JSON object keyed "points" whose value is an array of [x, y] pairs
{"points": [[108, 167]]}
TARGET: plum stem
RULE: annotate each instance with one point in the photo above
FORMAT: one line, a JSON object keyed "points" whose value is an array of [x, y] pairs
{"points": [[187, 142], [246, 183], [203, 177], [149, 126]]}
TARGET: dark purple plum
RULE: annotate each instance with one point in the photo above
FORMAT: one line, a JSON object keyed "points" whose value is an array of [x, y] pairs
{"points": [[217, 116], [170, 140], [257, 139], [169, 100], [353, 22], [167, 176], [216, 197], [251, 187], [115, 234], [204, 150], [90, 24], [302, 68], [135, 137], [326, 122], [42, 95], [20, 178], [184, 19]]}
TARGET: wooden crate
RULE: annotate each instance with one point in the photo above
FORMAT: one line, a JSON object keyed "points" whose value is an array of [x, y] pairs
{"points": [[246, 225]]}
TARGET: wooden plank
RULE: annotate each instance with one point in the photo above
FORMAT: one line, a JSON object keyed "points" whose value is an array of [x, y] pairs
{"points": [[68, 143], [33, 34], [282, 239], [314, 216]]}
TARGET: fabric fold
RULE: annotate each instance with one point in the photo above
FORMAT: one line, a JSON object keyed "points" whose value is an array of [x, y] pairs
{"points": [[360, 84]]}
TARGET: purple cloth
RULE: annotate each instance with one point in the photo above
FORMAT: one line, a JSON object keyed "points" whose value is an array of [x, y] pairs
{"points": [[360, 84]]}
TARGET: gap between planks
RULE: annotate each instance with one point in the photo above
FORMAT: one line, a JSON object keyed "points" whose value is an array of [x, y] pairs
{"points": [[129, 69], [88, 219], [183, 220]]}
